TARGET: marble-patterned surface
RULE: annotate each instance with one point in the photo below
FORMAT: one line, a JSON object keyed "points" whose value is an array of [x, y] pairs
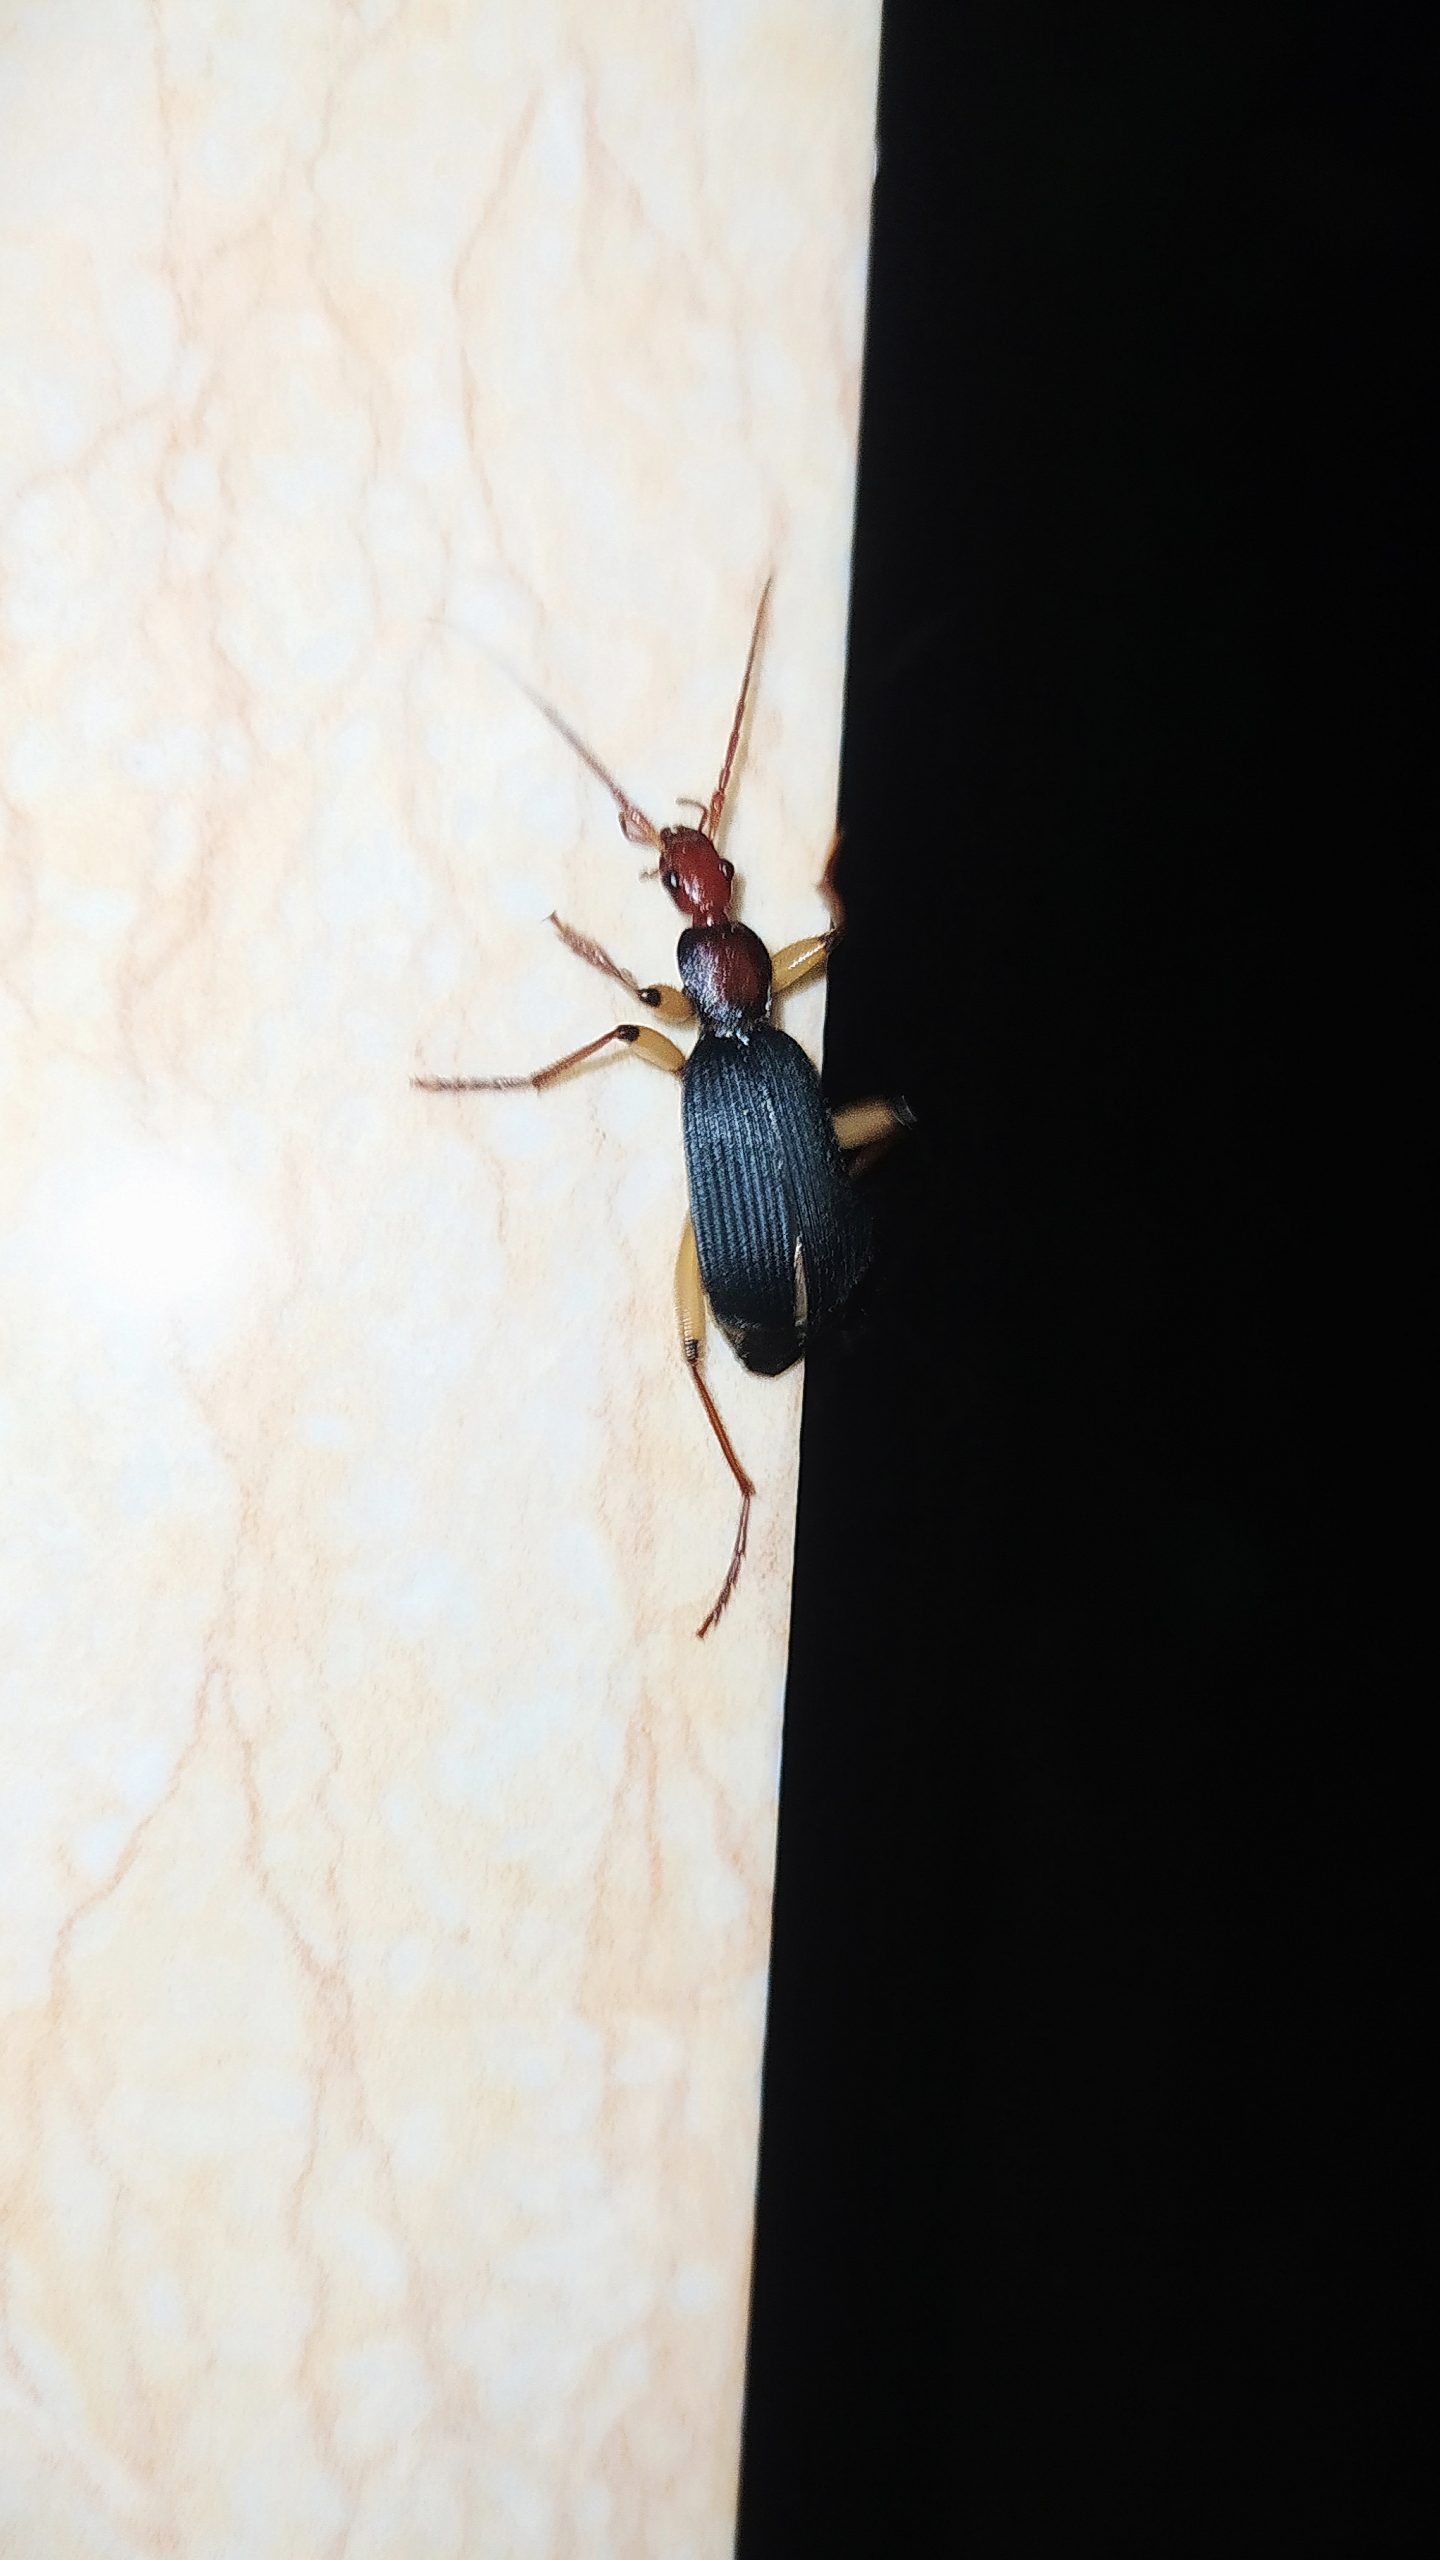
{"points": [[384, 1868]]}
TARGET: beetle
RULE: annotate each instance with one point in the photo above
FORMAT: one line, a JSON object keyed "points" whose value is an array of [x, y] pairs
{"points": [[777, 1236]]}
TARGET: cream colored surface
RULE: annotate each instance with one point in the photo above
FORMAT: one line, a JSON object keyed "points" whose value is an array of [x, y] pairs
{"points": [[385, 1867]]}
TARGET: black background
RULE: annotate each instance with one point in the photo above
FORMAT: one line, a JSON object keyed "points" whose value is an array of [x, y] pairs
{"points": [[1096, 2209]]}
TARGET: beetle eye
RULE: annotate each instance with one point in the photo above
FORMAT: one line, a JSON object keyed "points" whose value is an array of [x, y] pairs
{"points": [[672, 879], [728, 868]]}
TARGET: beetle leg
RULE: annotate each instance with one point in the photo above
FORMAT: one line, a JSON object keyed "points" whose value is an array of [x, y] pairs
{"points": [[829, 892], [690, 1307], [666, 1002], [797, 960], [652, 1046], [861, 1123], [866, 1129]]}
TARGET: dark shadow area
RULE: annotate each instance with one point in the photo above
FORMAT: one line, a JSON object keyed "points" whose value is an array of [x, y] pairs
{"points": [[1093, 2209]]}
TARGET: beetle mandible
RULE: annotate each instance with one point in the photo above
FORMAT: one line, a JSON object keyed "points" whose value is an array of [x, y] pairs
{"points": [[777, 1237]]}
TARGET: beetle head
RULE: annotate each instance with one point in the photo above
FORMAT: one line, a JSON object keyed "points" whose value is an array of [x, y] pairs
{"points": [[698, 878]]}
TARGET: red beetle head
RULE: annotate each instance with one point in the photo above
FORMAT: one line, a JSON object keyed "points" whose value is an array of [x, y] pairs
{"points": [[698, 878]]}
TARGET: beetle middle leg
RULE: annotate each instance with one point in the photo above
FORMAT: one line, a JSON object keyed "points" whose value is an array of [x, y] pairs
{"points": [[652, 1046], [690, 1306], [667, 1002]]}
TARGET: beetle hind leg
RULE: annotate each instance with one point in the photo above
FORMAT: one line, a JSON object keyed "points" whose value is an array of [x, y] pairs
{"points": [[867, 1130], [690, 1306]]}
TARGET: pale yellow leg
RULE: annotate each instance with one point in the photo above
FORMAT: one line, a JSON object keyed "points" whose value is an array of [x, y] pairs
{"points": [[866, 1129], [861, 1123], [690, 1307], [652, 1046], [797, 960], [667, 1002]]}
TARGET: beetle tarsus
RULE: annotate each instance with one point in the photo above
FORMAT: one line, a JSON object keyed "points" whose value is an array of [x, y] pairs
{"points": [[747, 1489], [470, 1084], [737, 1558], [650, 1045]]}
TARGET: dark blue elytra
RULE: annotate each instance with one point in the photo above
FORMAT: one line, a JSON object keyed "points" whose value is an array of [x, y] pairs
{"points": [[766, 1174]]}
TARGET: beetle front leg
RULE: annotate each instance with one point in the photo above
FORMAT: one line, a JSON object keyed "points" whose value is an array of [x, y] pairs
{"points": [[797, 960], [666, 1002], [690, 1307], [652, 1046]]}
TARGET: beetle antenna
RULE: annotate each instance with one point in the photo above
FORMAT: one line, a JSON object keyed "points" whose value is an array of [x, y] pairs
{"points": [[717, 799], [636, 826]]}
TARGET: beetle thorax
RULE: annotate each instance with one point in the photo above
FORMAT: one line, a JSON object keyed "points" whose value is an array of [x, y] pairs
{"points": [[697, 877], [725, 972]]}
